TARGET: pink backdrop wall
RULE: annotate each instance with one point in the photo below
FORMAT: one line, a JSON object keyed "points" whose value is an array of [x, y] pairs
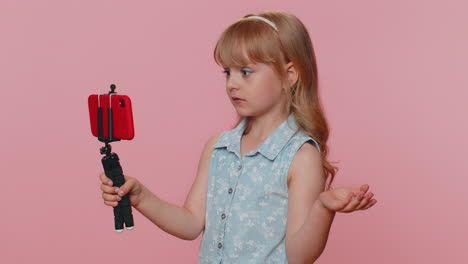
{"points": [[394, 85]]}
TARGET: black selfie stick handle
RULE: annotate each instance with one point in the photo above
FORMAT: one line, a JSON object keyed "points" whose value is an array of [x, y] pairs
{"points": [[123, 211]]}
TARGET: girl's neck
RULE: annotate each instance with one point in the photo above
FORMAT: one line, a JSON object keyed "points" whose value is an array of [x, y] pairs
{"points": [[260, 127]]}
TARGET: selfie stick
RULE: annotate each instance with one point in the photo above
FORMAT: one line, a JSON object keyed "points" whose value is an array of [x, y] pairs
{"points": [[113, 170]]}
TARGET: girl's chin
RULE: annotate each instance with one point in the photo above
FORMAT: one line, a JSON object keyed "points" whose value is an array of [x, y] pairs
{"points": [[245, 113], [242, 112]]}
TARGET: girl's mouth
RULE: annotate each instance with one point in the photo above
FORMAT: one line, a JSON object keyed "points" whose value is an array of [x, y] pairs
{"points": [[237, 100]]}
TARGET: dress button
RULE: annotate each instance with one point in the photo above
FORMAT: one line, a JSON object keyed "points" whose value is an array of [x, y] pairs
{"points": [[240, 167], [223, 216], [230, 190], [220, 245]]}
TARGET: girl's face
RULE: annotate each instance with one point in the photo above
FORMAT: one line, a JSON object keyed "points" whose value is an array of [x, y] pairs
{"points": [[253, 89]]}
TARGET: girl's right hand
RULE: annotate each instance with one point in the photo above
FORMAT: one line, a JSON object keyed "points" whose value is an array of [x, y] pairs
{"points": [[112, 195]]}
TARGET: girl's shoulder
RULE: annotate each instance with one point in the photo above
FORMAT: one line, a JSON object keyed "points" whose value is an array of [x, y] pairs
{"points": [[301, 137], [227, 137], [216, 138]]}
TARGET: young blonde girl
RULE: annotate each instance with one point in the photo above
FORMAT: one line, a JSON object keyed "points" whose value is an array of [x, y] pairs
{"points": [[260, 194]]}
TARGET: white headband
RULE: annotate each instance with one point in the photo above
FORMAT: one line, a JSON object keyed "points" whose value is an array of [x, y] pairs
{"points": [[264, 20]]}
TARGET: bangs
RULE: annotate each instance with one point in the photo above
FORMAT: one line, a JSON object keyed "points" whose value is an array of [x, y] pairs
{"points": [[231, 49]]}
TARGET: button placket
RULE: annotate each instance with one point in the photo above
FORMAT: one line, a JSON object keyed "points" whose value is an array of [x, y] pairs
{"points": [[223, 215], [239, 168]]}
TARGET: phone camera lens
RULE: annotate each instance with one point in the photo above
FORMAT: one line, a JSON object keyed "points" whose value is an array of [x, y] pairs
{"points": [[121, 102]]}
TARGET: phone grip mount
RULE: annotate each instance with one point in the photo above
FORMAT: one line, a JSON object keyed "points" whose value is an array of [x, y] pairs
{"points": [[113, 170]]}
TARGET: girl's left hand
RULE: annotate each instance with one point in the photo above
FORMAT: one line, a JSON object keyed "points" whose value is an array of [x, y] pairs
{"points": [[347, 199]]}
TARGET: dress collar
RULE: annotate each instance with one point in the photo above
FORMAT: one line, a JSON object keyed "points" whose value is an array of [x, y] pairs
{"points": [[269, 148]]}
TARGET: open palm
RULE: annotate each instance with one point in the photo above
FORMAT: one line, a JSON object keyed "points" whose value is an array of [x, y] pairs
{"points": [[347, 199]]}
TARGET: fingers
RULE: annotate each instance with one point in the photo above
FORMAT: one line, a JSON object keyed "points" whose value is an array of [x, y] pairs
{"points": [[364, 202], [126, 187], [355, 201], [109, 192], [364, 188], [109, 189], [113, 204], [106, 185], [104, 179], [361, 199], [370, 204], [367, 202], [358, 200], [111, 199]]}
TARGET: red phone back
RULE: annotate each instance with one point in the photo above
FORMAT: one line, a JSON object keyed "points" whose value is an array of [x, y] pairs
{"points": [[121, 112]]}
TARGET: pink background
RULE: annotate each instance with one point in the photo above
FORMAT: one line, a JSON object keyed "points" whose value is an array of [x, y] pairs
{"points": [[394, 86]]}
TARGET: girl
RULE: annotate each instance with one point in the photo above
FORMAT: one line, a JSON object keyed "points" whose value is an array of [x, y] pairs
{"points": [[260, 194]]}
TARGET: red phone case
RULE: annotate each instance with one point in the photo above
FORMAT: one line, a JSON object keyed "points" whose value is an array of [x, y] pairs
{"points": [[122, 117]]}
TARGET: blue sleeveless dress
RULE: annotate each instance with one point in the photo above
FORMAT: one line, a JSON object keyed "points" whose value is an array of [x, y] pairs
{"points": [[247, 199]]}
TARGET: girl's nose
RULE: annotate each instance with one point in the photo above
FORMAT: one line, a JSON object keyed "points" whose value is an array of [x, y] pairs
{"points": [[231, 84]]}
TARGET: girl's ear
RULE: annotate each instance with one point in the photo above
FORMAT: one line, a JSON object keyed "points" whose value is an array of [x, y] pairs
{"points": [[292, 73]]}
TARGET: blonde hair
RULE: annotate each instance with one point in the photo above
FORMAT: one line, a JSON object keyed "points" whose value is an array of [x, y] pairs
{"points": [[262, 44]]}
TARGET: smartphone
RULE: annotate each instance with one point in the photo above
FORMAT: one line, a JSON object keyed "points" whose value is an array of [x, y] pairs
{"points": [[122, 117]]}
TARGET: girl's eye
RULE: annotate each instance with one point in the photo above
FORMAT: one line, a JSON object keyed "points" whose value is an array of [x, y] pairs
{"points": [[246, 71]]}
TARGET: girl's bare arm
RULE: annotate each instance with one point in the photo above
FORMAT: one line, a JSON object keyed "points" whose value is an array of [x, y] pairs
{"points": [[308, 223], [187, 221]]}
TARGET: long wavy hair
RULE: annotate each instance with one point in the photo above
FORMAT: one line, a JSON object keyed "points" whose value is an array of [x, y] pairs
{"points": [[261, 43]]}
